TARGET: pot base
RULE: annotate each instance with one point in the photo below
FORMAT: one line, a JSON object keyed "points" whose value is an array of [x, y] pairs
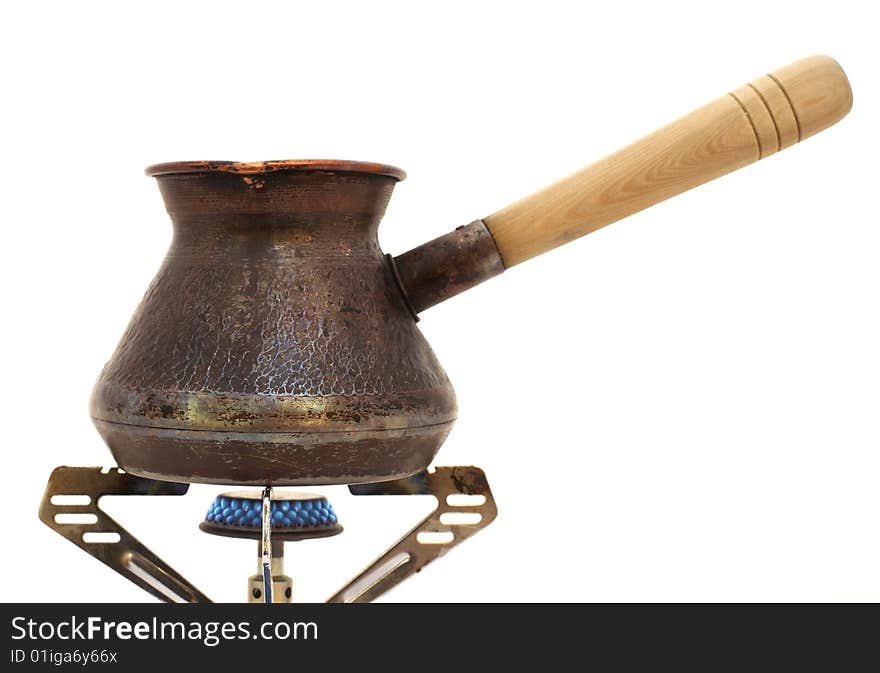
{"points": [[277, 459]]}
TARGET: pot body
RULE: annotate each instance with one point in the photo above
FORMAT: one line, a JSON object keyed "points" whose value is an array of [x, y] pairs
{"points": [[273, 346]]}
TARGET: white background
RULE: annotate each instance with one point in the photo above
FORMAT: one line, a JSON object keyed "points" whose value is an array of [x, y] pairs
{"points": [[680, 407]]}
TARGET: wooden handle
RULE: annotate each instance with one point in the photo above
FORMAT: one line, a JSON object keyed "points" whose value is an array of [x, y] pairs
{"points": [[750, 123]]}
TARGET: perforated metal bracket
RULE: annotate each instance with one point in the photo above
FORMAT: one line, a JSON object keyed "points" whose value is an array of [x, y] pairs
{"points": [[70, 508], [464, 506]]}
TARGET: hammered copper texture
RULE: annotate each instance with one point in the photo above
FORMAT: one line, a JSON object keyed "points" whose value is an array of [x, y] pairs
{"points": [[273, 312]]}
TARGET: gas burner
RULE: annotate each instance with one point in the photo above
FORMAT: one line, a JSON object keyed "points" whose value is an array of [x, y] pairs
{"points": [[71, 507], [294, 516], [271, 518]]}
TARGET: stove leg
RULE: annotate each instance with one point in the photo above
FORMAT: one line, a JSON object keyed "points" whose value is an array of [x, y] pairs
{"points": [[464, 506], [70, 508]]}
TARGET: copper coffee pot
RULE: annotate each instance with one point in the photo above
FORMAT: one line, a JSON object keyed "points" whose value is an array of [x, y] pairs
{"points": [[278, 344]]}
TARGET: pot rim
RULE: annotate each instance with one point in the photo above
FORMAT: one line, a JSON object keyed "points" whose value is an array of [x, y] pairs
{"points": [[257, 167]]}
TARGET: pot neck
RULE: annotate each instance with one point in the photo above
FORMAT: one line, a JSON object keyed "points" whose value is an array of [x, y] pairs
{"points": [[295, 201]]}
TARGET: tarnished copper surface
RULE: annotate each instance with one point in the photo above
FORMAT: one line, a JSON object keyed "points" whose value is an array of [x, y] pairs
{"points": [[286, 458], [448, 265], [273, 346], [248, 167]]}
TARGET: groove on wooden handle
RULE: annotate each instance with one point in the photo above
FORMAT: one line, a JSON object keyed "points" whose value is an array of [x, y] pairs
{"points": [[752, 122]]}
